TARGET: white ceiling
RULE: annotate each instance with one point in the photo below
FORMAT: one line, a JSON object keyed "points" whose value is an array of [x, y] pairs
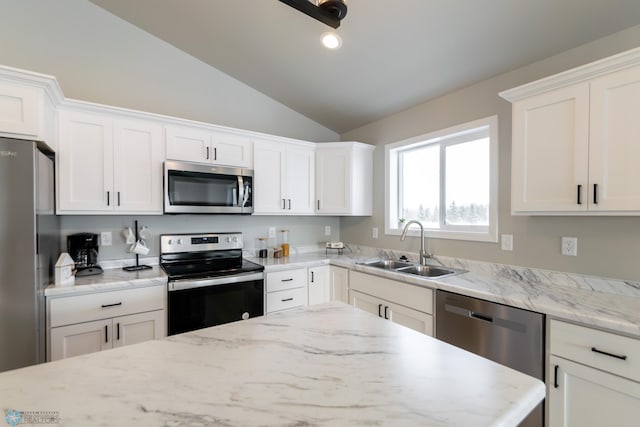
{"points": [[395, 53]]}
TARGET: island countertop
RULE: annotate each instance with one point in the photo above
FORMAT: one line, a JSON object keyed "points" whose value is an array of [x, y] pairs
{"points": [[325, 365]]}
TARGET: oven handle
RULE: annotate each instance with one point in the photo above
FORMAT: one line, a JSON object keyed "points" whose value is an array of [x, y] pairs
{"points": [[177, 285]]}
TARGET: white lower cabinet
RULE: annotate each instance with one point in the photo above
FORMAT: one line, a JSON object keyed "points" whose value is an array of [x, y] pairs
{"points": [[81, 324], [319, 285], [593, 377], [285, 290], [404, 304], [339, 282], [89, 337]]}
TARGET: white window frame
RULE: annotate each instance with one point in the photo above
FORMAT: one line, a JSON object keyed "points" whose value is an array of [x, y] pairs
{"points": [[445, 137]]}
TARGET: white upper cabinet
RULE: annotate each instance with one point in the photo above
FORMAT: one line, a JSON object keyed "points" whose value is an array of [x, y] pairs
{"points": [[204, 146], [344, 177], [27, 109], [614, 145], [107, 164], [575, 141], [283, 178]]}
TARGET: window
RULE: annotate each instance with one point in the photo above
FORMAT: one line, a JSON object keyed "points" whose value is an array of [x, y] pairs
{"points": [[447, 180]]}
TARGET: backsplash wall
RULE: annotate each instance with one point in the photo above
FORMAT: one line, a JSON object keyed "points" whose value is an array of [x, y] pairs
{"points": [[303, 231]]}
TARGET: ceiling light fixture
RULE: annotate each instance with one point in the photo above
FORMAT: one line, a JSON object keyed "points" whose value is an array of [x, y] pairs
{"points": [[329, 12], [331, 40]]}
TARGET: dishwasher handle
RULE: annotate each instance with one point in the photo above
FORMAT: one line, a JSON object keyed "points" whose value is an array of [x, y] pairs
{"points": [[467, 313], [480, 316]]}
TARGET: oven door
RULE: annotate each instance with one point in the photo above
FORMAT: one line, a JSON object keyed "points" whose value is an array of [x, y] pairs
{"points": [[197, 304], [201, 188]]}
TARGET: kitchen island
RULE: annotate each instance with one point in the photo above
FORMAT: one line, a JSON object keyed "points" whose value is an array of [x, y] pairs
{"points": [[326, 365]]}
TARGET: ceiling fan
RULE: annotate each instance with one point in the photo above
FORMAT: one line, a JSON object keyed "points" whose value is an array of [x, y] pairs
{"points": [[329, 12]]}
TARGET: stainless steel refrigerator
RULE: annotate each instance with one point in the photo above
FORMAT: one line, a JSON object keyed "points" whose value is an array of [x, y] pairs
{"points": [[29, 247]]}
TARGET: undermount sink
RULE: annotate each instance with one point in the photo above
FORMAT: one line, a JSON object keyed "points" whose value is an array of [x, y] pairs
{"points": [[429, 271], [388, 264], [413, 269]]}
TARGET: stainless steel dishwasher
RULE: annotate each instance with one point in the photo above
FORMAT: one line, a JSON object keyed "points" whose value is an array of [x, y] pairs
{"points": [[507, 335]]}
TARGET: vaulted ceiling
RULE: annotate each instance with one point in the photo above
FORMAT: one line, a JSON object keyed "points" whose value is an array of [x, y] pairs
{"points": [[395, 53]]}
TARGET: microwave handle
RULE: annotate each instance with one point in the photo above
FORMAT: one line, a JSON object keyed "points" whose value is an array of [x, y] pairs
{"points": [[240, 191]]}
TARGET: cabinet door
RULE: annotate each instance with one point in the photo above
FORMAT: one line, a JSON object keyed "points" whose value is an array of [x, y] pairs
{"points": [[581, 396], [81, 338], [19, 109], [189, 145], [550, 151], [138, 156], [367, 303], [300, 180], [319, 285], [268, 166], [414, 319], [231, 150], [333, 181], [138, 328], [85, 162], [615, 142], [339, 284]]}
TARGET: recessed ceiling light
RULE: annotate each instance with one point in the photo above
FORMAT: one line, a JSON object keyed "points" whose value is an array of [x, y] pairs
{"points": [[331, 40]]}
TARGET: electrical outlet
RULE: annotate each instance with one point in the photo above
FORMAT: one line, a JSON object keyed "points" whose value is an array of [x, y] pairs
{"points": [[506, 242], [272, 232], [105, 238], [374, 232], [327, 230], [570, 246]]}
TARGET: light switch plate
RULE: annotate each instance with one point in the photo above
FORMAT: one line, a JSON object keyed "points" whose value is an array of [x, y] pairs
{"points": [[105, 238], [506, 242], [327, 230], [374, 232], [272, 232]]}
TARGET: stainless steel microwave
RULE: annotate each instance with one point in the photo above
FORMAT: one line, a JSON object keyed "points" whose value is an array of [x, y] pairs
{"points": [[200, 188]]}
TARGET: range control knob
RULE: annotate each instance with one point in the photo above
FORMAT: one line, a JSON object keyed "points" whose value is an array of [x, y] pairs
{"points": [[245, 315]]}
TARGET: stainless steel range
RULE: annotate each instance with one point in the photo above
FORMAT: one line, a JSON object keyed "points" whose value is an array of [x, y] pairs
{"points": [[210, 283]]}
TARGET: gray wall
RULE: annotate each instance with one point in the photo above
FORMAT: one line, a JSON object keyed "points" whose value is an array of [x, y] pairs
{"points": [[303, 231], [607, 246], [101, 58]]}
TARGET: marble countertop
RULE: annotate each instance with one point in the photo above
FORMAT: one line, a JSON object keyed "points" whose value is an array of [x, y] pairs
{"points": [[593, 301], [112, 279], [325, 365]]}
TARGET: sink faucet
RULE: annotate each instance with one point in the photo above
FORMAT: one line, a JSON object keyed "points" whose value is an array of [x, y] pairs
{"points": [[423, 254]]}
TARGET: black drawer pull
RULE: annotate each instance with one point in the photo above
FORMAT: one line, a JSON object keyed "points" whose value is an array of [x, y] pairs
{"points": [[595, 194], [111, 305], [555, 377], [386, 308], [287, 280], [617, 356], [106, 333], [286, 300], [379, 308], [118, 331]]}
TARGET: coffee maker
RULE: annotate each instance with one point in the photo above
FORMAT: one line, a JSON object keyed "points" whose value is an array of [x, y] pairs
{"points": [[83, 248]]}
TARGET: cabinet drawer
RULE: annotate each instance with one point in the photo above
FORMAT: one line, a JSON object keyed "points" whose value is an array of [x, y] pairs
{"points": [[586, 345], [415, 297], [283, 300], [288, 279], [84, 308]]}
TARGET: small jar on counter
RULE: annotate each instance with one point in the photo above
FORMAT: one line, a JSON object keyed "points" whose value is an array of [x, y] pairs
{"points": [[277, 252], [284, 240], [262, 247]]}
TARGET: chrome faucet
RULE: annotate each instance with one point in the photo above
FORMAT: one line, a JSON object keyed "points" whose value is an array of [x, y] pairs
{"points": [[423, 254]]}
